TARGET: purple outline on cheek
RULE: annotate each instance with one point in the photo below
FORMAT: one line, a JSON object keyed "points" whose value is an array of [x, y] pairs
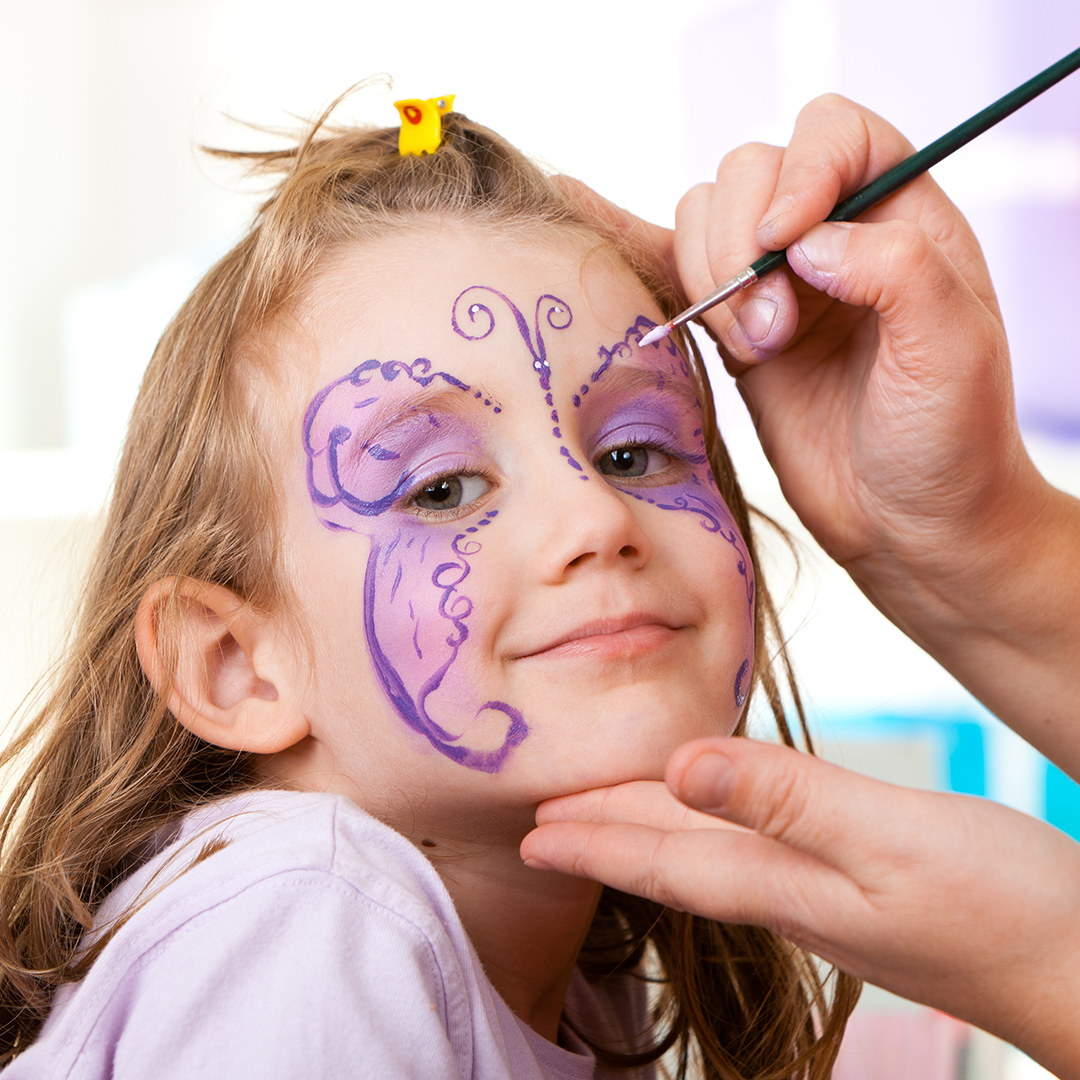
{"points": [[740, 690], [338, 508], [456, 608], [714, 513], [538, 351]]}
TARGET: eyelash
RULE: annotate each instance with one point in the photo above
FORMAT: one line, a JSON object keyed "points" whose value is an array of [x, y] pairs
{"points": [[675, 460], [408, 500]]}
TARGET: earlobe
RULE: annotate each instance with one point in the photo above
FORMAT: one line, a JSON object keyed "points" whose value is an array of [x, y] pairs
{"points": [[228, 673]]}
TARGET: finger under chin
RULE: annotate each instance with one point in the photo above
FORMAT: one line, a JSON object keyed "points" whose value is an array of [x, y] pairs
{"points": [[639, 802], [734, 877]]}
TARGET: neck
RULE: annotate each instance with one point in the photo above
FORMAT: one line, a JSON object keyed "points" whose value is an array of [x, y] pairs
{"points": [[527, 926]]}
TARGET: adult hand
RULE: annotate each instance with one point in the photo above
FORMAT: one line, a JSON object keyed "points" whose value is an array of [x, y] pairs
{"points": [[953, 901]]}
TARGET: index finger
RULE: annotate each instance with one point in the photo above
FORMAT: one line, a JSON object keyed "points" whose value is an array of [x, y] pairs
{"points": [[639, 802], [836, 148]]}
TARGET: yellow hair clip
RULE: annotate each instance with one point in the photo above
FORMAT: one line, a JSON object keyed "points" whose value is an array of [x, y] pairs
{"points": [[421, 123]]}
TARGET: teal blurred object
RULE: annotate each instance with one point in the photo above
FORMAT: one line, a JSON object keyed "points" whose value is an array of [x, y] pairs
{"points": [[1062, 801], [957, 746], [967, 757]]}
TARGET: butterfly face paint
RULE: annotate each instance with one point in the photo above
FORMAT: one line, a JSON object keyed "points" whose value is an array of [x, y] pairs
{"points": [[550, 586], [361, 475]]}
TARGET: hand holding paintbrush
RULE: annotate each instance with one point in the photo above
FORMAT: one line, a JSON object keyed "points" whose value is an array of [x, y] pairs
{"points": [[884, 186], [877, 374]]}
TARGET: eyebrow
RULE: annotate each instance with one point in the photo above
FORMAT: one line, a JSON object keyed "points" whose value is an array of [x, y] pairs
{"points": [[378, 418], [626, 378]]}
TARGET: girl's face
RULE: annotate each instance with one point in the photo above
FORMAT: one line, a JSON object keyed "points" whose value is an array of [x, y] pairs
{"points": [[520, 576]]}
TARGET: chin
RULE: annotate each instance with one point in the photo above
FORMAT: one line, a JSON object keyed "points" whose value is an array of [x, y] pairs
{"points": [[572, 752]]}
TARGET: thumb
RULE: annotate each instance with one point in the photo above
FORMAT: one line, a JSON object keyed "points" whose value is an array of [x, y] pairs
{"points": [[801, 801], [897, 269]]}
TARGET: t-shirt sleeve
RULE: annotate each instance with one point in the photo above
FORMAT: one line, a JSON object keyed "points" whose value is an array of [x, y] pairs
{"points": [[299, 975]]}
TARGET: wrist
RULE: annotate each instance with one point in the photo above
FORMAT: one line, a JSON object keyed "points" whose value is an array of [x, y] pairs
{"points": [[999, 566]]}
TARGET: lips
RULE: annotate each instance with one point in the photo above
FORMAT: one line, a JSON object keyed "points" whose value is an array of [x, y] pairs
{"points": [[638, 632]]}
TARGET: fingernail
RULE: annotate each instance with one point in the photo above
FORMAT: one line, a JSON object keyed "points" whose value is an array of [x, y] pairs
{"points": [[536, 864], [824, 245], [707, 783], [756, 318], [770, 223]]}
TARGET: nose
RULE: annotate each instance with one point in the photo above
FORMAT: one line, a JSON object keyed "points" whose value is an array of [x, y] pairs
{"points": [[590, 524]]}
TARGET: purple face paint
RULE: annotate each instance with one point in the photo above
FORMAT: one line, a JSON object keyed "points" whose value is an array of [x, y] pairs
{"points": [[415, 610], [557, 315], [642, 325], [741, 684], [665, 415], [386, 430]]}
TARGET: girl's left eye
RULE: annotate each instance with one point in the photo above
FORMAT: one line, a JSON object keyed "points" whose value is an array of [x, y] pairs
{"points": [[632, 461], [451, 492]]}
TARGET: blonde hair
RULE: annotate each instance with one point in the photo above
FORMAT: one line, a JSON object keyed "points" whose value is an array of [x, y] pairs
{"points": [[104, 765]]}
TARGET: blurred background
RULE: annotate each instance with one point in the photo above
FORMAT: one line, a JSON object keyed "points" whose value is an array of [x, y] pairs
{"points": [[110, 214]]}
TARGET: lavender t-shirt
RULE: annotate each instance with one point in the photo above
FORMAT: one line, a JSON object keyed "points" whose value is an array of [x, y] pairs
{"points": [[317, 942]]}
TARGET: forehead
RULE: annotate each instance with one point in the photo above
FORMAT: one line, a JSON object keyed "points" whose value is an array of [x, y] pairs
{"points": [[475, 301]]}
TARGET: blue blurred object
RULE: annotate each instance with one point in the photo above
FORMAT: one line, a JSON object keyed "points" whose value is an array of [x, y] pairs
{"points": [[1062, 801], [957, 743]]}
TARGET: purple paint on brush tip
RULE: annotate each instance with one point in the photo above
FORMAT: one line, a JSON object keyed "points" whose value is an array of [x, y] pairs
{"points": [[657, 333]]}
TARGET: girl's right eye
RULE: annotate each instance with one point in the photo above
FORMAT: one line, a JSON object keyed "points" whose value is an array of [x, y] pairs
{"points": [[451, 492]]}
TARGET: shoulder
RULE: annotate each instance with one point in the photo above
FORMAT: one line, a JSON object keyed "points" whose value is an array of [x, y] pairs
{"points": [[308, 847], [264, 911]]}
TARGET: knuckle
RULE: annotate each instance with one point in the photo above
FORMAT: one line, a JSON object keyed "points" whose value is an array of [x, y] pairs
{"points": [[833, 112], [653, 882], [827, 104], [784, 801], [698, 192], [748, 155], [906, 241], [908, 254]]}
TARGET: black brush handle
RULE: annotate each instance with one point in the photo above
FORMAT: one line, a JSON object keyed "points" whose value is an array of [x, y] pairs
{"points": [[923, 160]]}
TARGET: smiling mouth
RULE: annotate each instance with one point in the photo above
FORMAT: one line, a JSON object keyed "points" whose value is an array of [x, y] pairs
{"points": [[606, 638]]}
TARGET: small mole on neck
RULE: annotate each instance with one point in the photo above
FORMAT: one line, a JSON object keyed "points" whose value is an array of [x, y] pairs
{"points": [[427, 843]]}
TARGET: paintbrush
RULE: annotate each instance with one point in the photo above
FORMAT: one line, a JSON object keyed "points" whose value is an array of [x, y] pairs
{"points": [[885, 185]]}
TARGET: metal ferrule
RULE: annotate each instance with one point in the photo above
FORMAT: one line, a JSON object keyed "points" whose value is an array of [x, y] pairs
{"points": [[734, 285]]}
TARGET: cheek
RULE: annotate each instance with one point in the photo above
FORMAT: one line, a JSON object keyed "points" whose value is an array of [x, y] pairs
{"points": [[425, 597], [425, 634], [411, 600], [719, 540], [715, 546]]}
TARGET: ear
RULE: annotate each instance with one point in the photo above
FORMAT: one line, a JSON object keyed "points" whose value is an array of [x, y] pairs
{"points": [[229, 673]]}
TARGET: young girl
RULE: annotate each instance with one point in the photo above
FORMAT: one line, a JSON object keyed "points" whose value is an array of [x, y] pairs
{"points": [[409, 534]]}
